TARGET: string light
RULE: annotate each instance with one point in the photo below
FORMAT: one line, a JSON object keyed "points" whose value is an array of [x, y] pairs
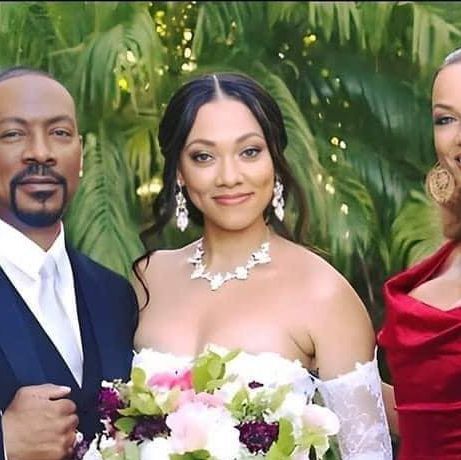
{"points": [[130, 57], [123, 83], [150, 188], [330, 189], [309, 39]]}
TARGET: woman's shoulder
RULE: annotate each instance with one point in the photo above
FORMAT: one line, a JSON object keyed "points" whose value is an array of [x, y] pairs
{"points": [[164, 259], [309, 263], [162, 256], [322, 284]]}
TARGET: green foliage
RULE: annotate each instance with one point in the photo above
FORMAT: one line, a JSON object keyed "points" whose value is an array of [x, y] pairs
{"points": [[412, 243], [209, 369], [125, 424], [196, 455], [285, 444]]}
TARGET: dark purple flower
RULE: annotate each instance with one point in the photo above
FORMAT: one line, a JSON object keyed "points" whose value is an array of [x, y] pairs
{"points": [[80, 449], [255, 384], [108, 403], [149, 427], [258, 436]]}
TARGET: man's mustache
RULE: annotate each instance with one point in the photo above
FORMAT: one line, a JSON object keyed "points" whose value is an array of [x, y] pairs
{"points": [[37, 169]]}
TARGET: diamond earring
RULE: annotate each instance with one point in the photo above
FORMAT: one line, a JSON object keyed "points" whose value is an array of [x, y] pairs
{"points": [[278, 203], [182, 214]]}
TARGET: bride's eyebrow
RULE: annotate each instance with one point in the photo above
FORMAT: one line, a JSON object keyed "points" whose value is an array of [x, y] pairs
{"points": [[247, 135], [200, 141], [209, 143]]}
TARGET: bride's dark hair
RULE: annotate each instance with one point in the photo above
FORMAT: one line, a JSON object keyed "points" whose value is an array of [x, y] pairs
{"points": [[177, 121]]}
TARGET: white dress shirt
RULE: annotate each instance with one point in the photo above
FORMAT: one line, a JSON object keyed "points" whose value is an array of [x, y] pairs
{"points": [[21, 260]]}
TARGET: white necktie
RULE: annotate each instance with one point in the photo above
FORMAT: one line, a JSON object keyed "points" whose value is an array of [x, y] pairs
{"points": [[57, 322]]}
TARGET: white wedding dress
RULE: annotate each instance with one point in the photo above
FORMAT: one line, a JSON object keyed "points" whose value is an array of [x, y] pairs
{"points": [[354, 397]]}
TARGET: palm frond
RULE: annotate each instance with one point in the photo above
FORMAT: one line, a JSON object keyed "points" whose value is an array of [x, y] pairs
{"points": [[416, 231], [101, 221], [302, 151]]}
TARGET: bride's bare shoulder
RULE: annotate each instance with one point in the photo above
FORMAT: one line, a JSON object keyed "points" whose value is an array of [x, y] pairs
{"points": [[306, 260], [164, 258], [319, 280], [158, 264]]}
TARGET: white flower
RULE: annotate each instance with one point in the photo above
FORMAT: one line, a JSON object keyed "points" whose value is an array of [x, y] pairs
{"points": [[153, 362], [92, 453], [158, 449], [228, 391], [271, 370], [106, 384], [292, 408], [300, 456], [195, 426], [320, 419], [106, 442]]}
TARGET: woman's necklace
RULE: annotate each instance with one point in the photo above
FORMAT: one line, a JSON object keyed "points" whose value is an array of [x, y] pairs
{"points": [[260, 256]]}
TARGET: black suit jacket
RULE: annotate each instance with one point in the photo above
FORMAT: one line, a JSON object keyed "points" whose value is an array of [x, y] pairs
{"points": [[108, 315]]}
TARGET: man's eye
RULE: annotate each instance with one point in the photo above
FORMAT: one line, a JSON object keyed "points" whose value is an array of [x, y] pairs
{"points": [[11, 134], [61, 133]]}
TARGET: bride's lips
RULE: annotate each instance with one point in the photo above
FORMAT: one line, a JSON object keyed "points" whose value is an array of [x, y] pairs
{"points": [[229, 199]]}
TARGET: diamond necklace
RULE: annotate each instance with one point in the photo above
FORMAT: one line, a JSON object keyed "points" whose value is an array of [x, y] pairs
{"points": [[260, 256]]}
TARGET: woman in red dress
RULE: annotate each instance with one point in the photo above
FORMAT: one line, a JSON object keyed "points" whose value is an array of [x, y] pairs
{"points": [[422, 330]]}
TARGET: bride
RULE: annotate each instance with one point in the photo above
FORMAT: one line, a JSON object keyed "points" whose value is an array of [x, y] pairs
{"points": [[247, 283]]}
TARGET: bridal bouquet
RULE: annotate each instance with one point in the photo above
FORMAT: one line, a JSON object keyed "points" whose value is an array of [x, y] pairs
{"points": [[222, 405]]}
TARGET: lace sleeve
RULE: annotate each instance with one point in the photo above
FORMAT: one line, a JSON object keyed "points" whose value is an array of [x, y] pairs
{"points": [[357, 400]]}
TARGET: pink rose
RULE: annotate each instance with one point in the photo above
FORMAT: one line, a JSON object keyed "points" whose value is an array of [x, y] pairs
{"points": [[181, 380], [204, 398]]}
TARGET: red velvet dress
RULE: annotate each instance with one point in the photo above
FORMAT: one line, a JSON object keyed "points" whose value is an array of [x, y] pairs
{"points": [[423, 351]]}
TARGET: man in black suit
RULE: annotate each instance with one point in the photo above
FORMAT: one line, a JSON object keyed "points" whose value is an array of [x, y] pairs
{"points": [[66, 323]]}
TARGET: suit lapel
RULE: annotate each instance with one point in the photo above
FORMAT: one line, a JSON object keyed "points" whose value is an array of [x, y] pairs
{"points": [[15, 339], [90, 293]]}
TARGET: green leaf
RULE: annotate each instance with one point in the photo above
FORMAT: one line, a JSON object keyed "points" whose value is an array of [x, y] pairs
{"points": [[231, 355], [196, 455], [208, 368], [125, 424], [239, 403], [131, 451], [316, 440], [286, 440], [138, 377], [285, 444], [145, 403], [279, 396]]}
